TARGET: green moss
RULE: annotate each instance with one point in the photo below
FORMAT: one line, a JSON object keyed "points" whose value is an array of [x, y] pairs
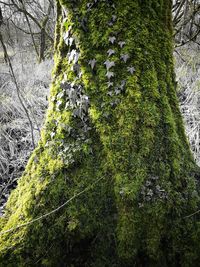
{"points": [[130, 139]]}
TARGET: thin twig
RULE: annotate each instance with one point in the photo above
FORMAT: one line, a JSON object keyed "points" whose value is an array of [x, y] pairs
{"points": [[53, 211], [192, 214], [17, 87], [30, 29]]}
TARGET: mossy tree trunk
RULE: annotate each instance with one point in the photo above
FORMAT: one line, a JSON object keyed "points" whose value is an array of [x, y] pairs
{"points": [[114, 131]]}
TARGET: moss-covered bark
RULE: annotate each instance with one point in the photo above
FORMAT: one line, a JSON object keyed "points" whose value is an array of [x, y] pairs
{"points": [[113, 124]]}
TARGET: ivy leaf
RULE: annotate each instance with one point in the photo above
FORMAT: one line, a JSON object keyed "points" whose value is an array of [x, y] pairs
{"points": [[154, 177], [76, 57], [111, 52], [69, 129], [80, 74], [72, 85], [71, 55], [89, 5], [110, 93], [114, 104], [66, 37], [66, 34], [117, 91], [92, 63], [131, 69], [112, 39], [122, 84], [158, 187], [110, 23], [70, 42], [52, 134], [70, 28], [72, 96], [60, 95], [67, 106], [58, 104], [76, 68], [109, 64], [110, 74], [77, 112], [86, 98], [121, 43], [150, 192], [148, 183], [114, 17], [85, 102], [125, 57], [110, 84], [65, 85]]}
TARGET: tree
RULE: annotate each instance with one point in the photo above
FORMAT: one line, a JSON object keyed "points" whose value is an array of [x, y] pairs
{"points": [[31, 22], [186, 21], [112, 181], [23, 86]]}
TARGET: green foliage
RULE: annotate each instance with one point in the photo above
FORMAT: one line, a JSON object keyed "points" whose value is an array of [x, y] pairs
{"points": [[131, 134]]}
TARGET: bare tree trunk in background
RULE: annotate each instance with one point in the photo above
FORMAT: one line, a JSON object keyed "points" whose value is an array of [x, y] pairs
{"points": [[43, 34], [20, 97]]}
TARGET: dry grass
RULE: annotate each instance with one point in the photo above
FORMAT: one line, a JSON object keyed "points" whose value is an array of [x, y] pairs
{"points": [[188, 77], [15, 132]]}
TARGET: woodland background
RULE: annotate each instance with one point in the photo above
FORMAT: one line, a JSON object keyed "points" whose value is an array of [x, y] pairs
{"points": [[26, 60]]}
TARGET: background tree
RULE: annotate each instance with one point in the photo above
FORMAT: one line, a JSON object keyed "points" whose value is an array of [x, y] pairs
{"points": [[186, 21], [112, 182], [23, 92], [30, 22]]}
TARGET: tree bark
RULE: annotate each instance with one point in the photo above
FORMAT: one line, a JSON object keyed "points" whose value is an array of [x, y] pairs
{"points": [[112, 181]]}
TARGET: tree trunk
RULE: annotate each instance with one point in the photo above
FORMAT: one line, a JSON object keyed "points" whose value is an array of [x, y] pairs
{"points": [[113, 145]]}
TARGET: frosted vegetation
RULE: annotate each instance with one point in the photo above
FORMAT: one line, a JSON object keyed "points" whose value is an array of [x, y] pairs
{"points": [[26, 29], [187, 75], [16, 142]]}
